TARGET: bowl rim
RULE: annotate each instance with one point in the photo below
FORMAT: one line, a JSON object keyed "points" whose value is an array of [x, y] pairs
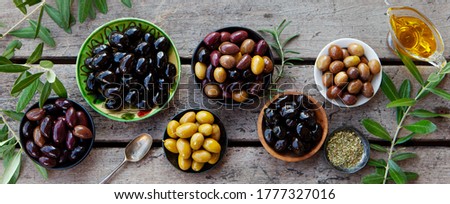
{"points": [[223, 101], [89, 147], [376, 81], [286, 157], [366, 146], [174, 85], [223, 134]]}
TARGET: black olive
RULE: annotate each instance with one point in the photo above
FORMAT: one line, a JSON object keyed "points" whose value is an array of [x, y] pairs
{"points": [[88, 62], [118, 56], [126, 63], [142, 105], [27, 129], [268, 136], [163, 84], [298, 147], [149, 82], [316, 132], [141, 66], [210, 73], [160, 97], [161, 44], [33, 149], [305, 102], [134, 34], [114, 103], [113, 91], [51, 109], [281, 145], [102, 48], [77, 153], [279, 131], [131, 97], [161, 60], [64, 156], [101, 61], [203, 55], [288, 111], [143, 49], [149, 38], [170, 72], [271, 116], [50, 151], [118, 40], [106, 77], [304, 133], [235, 86], [255, 89], [308, 118], [234, 75], [291, 123], [248, 75]]}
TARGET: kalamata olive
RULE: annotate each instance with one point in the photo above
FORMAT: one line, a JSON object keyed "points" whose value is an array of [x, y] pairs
{"points": [[50, 151], [35, 114], [77, 153], [245, 62], [64, 157], [333, 92], [335, 52], [351, 61], [234, 75], [268, 65], [355, 86], [161, 60], [327, 79], [27, 129], [364, 72], [46, 127], [184, 148], [148, 38], [203, 55], [63, 103], [32, 149], [220, 75], [227, 48], [114, 103], [126, 64], [261, 48], [38, 138], [59, 131], [82, 118], [212, 39], [279, 132], [353, 73], [48, 162], [118, 40], [345, 53], [336, 66], [367, 90], [257, 65], [71, 140], [238, 36], [341, 79], [143, 49], [240, 96], [141, 66], [211, 145], [281, 145], [247, 46], [224, 36], [162, 44], [323, 62], [133, 33], [297, 147], [227, 61], [355, 49], [91, 82], [82, 132], [71, 117], [51, 109], [349, 99], [374, 66], [215, 58]]}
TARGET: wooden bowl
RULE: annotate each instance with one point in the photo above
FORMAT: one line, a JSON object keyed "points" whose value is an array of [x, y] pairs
{"points": [[321, 119]]}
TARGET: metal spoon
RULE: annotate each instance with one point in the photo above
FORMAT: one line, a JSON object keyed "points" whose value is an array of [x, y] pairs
{"points": [[134, 152]]}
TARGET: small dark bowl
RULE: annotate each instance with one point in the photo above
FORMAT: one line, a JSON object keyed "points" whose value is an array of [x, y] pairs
{"points": [[69, 164], [223, 141], [230, 102], [365, 156]]}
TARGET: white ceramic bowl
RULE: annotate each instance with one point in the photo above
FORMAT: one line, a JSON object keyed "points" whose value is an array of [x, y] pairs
{"points": [[368, 52]]}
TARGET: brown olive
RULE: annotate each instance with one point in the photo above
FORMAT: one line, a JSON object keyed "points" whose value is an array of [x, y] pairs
{"points": [[268, 65], [35, 114], [353, 73], [237, 57], [367, 90], [220, 75], [227, 61], [349, 99], [336, 66], [38, 138], [355, 86], [341, 79], [245, 62], [364, 60], [327, 79], [240, 96], [335, 52], [200, 70], [82, 132], [345, 53], [212, 90], [355, 49], [333, 92], [351, 61], [374, 66], [228, 48], [364, 72], [323, 62], [247, 46]]}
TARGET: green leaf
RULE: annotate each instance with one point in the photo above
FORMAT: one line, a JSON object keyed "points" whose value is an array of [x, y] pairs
{"points": [[388, 88], [446, 69], [11, 48], [282, 26], [3, 133], [32, 2], [377, 163], [27, 32], [127, 3], [21, 6], [376, 129], [44, 33], [15, 176], [64, 8], [440, 92], [401, 102], [72, 22], [25, 82], [46, 64], [291, 52], [404, 139], [411, 67], [83, 9], [289, 39], [36, 55], [26, 96], [403, 156], [11, 168], [14, 115], [41, 170], [101, 5], [400, 112], [13, 68], [39, 22], [293, 59], [55, 15], [7, 141], [396, 173], [4, 60], [59, 89], [22, 76], [274, 35], [373, 179], [405, 89], [421, 127], [45, 94], [434, 77], [51, 76], [410, 176], [378, 148], [422, 113]]}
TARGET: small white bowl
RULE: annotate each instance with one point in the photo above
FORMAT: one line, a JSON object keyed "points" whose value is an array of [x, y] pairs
{"points": [[368, 52]]}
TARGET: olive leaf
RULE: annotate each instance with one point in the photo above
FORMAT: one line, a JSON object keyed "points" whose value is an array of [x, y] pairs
{"points": [[388, 88], [46, 90], [378, 148], [401, 102], [376, 129], [434, 77], [403, 156], [101, 5], [396, 172], [25, 82], [21, 6], [36, 55], [11, 167], [410, 176], [411, 67], [46, 64], [422, 113], [446, 69], [127, 3], [59, 89], [43, 33], [13, 68], [402, 140], [376, 163], [440, 92], [373, 179], [26, 96], [51, 76], [41, 170], [11, 48], [4, 60], [39, 22], [83, 9], [64, 8], [55, 15], [421, 127], [14, 115]]}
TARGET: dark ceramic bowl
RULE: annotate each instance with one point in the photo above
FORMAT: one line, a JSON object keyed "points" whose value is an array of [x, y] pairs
{"points": [[223, 141], [253, 99], [87, 143]]}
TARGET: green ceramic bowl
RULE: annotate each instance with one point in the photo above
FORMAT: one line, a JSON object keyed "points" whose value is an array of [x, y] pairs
{"points": [[100, 36]]}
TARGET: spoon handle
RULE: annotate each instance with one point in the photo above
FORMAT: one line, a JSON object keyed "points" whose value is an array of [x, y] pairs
{"points": [[113, 172]]}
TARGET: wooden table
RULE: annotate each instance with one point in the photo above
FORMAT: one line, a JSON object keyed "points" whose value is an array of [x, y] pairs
{"points": [[318, 22]]}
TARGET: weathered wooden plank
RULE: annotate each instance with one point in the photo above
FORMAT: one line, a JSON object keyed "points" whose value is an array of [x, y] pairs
{"points": [[318, 22], [240, 165], [241, 124]]}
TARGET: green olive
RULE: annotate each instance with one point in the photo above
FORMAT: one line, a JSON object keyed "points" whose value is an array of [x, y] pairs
{"points": [[205, 129], [172, 128], [204, 117], [184, 148], [257, 65], [197, 166], [336, 66], [355, 86], [323, 62], [184, 164], [211, 145], [220, 75], [215, 132], [214, 158], [239, 96], [201, 156], [374, 66], [197, 141], [171, 145], [212, 90], [351, 61], [341, 79], [335, 52], [200, 70], [355, 49], [186, 130], [188, 117]]}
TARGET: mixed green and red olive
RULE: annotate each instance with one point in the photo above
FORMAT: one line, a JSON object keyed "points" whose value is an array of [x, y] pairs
{"points": [[131, 70], [233, 66], [59, 134], [290, 125]]}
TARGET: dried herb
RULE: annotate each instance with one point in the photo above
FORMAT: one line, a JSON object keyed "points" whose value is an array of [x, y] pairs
{"points": [[345, 149]]}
